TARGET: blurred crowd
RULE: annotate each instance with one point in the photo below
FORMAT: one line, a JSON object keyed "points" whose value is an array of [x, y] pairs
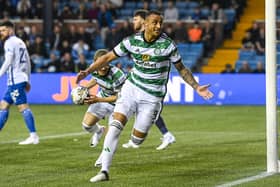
{"points": [[89, 9], [71, 47], [252, 52]]}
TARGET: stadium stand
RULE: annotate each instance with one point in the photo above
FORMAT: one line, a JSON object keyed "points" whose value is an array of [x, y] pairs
{"points": [[230, 51], [192, 53]]}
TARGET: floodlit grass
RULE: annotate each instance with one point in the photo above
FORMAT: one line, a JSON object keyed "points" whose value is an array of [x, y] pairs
{"points": [[215, 145]]}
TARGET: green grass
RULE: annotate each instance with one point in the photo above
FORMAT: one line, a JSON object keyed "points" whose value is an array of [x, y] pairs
{"points": [[215, 145]]}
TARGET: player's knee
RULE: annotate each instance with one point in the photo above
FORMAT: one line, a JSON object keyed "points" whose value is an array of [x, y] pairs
{"points": [[23, 107], [120, 118], [4, 105]]}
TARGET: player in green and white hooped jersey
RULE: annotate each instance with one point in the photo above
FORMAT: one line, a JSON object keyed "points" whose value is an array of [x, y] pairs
{"points": [[168, 138], [110, 79], [143, 92]]}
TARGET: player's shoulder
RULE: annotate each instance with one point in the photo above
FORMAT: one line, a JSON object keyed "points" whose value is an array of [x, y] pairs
{"points": [[167, 39], [165, 36], [132, 36], [13, 41], [115, 69], [131, 40], [138, 34], [112, 67], [94, 73]]}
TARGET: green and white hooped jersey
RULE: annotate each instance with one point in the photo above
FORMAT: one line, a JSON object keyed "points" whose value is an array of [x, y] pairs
{"points": [[152, 61], [111, 83]]}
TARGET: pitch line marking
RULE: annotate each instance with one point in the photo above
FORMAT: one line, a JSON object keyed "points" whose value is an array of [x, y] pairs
{"points": [[248, 179], [50, 137]]}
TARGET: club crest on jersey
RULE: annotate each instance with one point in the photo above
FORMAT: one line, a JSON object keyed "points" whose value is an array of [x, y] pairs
{"points": [[145, 58], [157, 52]]}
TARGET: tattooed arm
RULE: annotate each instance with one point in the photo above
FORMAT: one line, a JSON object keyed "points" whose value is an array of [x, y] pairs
{"points": [[188, 77]]}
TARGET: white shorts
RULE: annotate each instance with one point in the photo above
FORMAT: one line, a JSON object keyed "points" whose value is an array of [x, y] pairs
{"points": [[145, 106], [102, 110]]}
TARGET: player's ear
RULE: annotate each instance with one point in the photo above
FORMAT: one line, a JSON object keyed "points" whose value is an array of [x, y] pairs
{"points": [[145, 23], [11, 31]]}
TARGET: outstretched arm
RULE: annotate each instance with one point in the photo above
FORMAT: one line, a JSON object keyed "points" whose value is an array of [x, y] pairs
{"points": [[188, 77], [99, 63], [94, 99]]}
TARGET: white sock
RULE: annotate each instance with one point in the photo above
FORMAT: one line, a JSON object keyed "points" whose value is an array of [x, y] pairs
{"points": [[110, 144], [100, 157], [166, 134], [91, 128], [33, 134]]}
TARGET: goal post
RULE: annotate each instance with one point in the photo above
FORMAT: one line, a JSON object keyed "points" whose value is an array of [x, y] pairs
{"points": [[271, 86]]}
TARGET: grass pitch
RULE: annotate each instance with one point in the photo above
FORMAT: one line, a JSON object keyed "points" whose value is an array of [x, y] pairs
{"points": [[215, 145]]}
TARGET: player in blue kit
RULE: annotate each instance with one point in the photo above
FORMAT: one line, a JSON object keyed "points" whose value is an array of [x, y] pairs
{"points": [[17, 66]]}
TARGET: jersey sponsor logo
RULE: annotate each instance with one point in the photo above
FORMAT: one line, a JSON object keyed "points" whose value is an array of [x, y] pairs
{"points": [[146, 58], [146, 64]]}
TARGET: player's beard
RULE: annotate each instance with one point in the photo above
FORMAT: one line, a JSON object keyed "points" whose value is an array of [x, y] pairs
{"points": [[137, 28], [3, 38]]}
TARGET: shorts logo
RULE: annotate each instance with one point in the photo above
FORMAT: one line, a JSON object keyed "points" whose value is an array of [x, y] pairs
{"points": [[14, 95], [145, 58], [107, 149]]}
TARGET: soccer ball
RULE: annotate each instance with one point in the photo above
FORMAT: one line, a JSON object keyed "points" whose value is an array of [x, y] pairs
{"points": [[78, 95]]}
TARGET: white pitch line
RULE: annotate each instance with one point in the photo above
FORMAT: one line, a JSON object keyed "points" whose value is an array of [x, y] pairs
{"points": [[50, 137], [247, 179]]}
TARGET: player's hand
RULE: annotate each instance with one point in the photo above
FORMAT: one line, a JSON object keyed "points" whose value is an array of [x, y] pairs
{"points": [[81, 75], [204, 92], [91, 99], [27, 87]]}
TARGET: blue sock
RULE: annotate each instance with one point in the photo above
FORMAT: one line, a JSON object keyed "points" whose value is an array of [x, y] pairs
{"points": [[29, 119], [4, 114], [161, 125]]}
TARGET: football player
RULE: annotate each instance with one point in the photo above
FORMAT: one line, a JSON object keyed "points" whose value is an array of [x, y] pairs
{"points": [[153, 52], [110, 79], [17, 66], [168, 138]]}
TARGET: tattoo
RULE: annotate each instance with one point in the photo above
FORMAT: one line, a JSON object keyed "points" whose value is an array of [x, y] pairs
{"points": [[187, 76]]}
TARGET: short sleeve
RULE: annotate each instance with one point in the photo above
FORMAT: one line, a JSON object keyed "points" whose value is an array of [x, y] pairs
{"points": [[122, 48], [175, 56], [9, 50], [119, 78]]}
